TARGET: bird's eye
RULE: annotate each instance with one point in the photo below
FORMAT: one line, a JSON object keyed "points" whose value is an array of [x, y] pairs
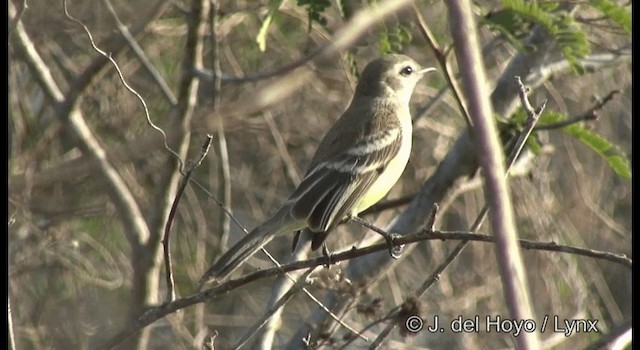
{"points": [[406, 71]]}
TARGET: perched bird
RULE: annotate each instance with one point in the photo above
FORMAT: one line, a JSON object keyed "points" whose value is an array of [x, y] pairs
{"points": [[356, 164]]}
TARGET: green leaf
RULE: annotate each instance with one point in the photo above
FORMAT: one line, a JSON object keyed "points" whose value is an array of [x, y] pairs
{"points": [[384, 43], [393, 41], [616, 159], [549, 118], [510, 25], [261, 38], [404, 34], [534, 144], [561, 28], [530, 11], [616, 13], [573, 42]]}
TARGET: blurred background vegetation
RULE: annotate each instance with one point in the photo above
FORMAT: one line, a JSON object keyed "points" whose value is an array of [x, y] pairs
{"points": [[80, 269]]}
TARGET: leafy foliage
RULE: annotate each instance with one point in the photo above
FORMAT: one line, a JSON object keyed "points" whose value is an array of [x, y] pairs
{"points": [[511, 26], [315, 10], [515, 19], [392, 41], [616, 13], [617, 160]]}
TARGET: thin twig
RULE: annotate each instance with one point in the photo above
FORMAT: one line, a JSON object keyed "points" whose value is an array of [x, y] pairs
{"points": [[532, 119], [224, 170], [17, 17], [166, 240], [209, 76], [589, 115], [561, 124], [251, 331], [290, 167], [388, 204], [11, 336], [124, 82], [433, 278], [142, 56], [114, 44], [441, 57]]}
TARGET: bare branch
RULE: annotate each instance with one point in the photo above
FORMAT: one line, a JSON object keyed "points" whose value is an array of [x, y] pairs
{"points": [[297, 287], [165, 309], [590, 63], [441, 56], [590, 115], [142, 56], [516, 289], [166, 240]]}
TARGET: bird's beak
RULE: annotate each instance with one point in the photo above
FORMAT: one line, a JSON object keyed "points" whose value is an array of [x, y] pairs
{"points": [[427, 70]]}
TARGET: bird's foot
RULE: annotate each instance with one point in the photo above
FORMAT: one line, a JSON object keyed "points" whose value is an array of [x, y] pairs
{"points": [[327, 254]]}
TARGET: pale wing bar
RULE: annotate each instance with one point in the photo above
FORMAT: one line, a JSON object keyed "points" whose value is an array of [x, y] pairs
{"points": [[330, 190]]}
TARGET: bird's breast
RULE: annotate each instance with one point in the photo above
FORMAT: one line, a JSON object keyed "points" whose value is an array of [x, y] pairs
{"points": [[391, 172]]}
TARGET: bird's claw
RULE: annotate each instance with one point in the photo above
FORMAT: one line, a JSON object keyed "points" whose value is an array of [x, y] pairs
{"points": [[327, 254]]}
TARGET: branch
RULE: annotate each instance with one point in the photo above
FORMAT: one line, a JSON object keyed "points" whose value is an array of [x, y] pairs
{"points": [[441, 56], [182, 116], [11, 336], [618, 338], [275, 307], [142, 56], [166, 240], [156, 313], [589, 115], [591, 63]]}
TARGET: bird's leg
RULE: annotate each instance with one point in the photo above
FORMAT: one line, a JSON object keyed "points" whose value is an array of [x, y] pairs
{"points": [[394, 251], [294, 243], [327, 254]]}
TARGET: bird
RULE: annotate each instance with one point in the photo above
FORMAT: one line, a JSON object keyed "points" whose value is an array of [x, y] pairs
{"points": [[355, 165]]}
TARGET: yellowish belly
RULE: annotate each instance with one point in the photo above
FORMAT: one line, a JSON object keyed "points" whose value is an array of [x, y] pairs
{"points": [[389, 176]]}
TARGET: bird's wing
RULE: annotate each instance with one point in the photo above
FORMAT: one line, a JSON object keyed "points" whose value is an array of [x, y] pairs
{"points": [[333, 185]]}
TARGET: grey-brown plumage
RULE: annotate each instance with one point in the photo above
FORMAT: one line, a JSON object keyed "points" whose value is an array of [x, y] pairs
{"points": [[356, 164]]}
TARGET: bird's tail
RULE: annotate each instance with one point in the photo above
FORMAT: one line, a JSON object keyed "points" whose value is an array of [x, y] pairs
{"points": [[278, 224]]}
